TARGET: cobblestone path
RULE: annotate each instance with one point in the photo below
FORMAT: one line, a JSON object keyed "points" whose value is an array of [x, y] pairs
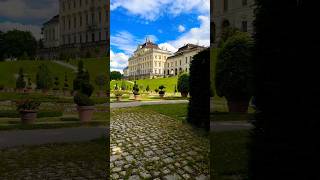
{"points": [[148, 145]]}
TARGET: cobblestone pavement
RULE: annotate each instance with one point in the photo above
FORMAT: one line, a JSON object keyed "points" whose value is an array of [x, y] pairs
{"points": [[148, 145]]}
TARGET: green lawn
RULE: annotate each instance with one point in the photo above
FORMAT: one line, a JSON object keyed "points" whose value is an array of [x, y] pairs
{"points": [[9, 69], [168, 82], [68, 159], [229, 155], [176, 111]]}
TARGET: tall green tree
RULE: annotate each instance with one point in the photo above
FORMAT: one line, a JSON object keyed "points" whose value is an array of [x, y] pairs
{"points": [[115, 75], [284, 143], [16, 43]]}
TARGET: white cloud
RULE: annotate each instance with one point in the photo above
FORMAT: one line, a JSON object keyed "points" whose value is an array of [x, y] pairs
{"points": [[181, 28], [31, 9], [118, 61], [152, 9], [35, 30], [167, 46], [127, 42], [197, 35]]}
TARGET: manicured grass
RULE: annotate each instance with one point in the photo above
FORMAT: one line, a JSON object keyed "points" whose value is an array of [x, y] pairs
{"points": [[95, 67], [168, 82], [176, 111], [68, 158], [229, 155], [9, 69]]}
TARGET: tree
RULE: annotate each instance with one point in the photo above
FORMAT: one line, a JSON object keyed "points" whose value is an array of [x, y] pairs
{"points": [[20, 83], [43, 77], [234, 76], [199, 103], [183, 84], [284, 140], [115, 75], [17, 42]]}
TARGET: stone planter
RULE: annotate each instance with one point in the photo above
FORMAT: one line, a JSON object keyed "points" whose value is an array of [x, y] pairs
{"points": [[238, 106], [161, 96], [184, 94], [85, 113], [28, 116], [118, 98], [136, 97]]}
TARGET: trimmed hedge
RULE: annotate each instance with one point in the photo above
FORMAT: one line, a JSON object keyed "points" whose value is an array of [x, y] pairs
{"points": [[199, 104]]}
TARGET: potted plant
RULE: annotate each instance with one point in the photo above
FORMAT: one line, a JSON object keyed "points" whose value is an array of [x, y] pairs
{"points": [[135, 90], [28, 110], [29, 87], [234, 77], [43, 78], [20, 83], [161, 91], [83, 90], [118, 94], [183, 84]]}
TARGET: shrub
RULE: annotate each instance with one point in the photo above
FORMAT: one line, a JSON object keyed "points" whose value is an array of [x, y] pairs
{"points": [[82, 100], [147, 88], [135, 88], [43, 77], [56, 83], [27, 104], [199, 103], [1, 87], [123, 86], [156, 90], [29, 83], [234, 78], [161, 89], [118, 93], [20, 83], [183, 83]]}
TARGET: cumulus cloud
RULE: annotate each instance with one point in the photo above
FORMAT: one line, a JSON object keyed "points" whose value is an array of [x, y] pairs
{"points": [[151, 10], [197, 35], [28, 10], [181, 28], [118, 61], [35, 30]]}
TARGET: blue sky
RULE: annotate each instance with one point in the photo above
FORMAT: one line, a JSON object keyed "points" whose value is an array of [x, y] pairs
{"points": [[169, 23]]}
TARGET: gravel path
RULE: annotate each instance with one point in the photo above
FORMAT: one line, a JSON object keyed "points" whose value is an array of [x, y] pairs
{"points": [[67, 65]]}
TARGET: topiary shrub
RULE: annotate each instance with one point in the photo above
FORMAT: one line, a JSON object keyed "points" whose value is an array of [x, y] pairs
{"points": [[20, 83], [183, 84], [234, 76], [161, 89], [199, 103], [43, 78], [82, 100]]}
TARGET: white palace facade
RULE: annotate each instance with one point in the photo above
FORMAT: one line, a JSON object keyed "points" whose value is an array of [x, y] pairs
{"points": [[149, 61]]}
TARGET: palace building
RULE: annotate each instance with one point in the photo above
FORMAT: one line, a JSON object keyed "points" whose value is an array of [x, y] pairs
{"points": [[81, 28], [234, 13], [149, 61], [180, 61]]}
